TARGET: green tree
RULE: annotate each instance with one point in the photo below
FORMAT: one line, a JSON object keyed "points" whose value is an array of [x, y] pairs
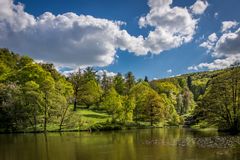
{"points": [[129, 105], [221, 102], [106, 82], [154, 108], [64, 92], [145, 79], [112, 103], [90, 93], [33, 100], [140, 92], [89, 74], [77, 80], [119, 83], [129, 82], [14, 115], [189, 82]]}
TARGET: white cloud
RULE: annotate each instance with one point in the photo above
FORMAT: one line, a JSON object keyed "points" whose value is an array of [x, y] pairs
{"points": [[199, 7], [209, 44], [65, 39], [225, 49], [216, 14], [226, 25], [212, 37], [82, 40], [173, 26], [193, 68], [108, 73], [217, 63], [169, 71]]}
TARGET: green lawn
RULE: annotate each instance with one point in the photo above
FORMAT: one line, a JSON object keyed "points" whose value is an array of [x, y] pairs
{"points": [[84, 119], [90, 117]]}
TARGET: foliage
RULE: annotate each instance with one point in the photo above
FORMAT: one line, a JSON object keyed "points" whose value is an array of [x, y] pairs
{"points": [[90, 93], [112, 103], [221, 101], [36, 97]]}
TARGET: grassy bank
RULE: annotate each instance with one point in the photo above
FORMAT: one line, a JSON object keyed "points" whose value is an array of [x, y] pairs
{"points": [[89, 120]]}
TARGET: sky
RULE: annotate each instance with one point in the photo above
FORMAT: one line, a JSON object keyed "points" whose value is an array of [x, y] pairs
{"points": [[154, 38]]}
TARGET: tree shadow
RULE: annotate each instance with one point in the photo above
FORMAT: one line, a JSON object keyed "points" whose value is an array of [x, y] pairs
{"points": [[96, 116]]}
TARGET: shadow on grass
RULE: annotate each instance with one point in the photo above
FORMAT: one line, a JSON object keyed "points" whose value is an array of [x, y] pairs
{"points": [[96, 116]]}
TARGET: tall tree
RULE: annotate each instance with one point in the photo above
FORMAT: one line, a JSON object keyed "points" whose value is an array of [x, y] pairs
{"points": [[90, 93], [119, 83], [154, 108], [189, 82], [89, 74], [221, 102], [64, 92], [129, 105], [32, 99], [106, 82], [112, 103], [129, 81], [76, 79], [145, 79]]}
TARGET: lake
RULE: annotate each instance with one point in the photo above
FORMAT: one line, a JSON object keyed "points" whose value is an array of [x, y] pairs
{"points": [[146, 144]]}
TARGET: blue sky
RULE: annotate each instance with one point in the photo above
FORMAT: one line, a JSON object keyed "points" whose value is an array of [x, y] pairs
{"points": [[168, 62]]}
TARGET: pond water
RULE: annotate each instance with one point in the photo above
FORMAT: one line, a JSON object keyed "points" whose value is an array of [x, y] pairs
{"points": [[146, 144]]}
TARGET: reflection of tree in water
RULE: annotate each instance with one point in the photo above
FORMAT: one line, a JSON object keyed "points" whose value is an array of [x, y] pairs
{"points": [[46, 146], [36, 149]]}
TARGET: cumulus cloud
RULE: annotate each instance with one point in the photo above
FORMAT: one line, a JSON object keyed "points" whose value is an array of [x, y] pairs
{"points": [[199, 7], [225, 49], [173, 26], [228, 44], [83, 40], [217, 63], [226, 25], [212, 38], [169, 71], [65, 39]]}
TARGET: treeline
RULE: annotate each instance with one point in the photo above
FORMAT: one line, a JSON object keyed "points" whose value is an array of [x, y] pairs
{"points": [[35, 97]]}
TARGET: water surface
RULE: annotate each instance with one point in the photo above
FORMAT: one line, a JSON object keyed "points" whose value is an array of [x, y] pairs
{"points": [[146, 144]]}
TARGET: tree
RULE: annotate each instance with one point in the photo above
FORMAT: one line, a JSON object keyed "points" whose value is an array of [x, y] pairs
{"points": [[139, 92], [145, 79], [189, 82], [129, 105], [50, 68], [154, 108], [33, 100], [106, 82], [221, 102], [13, 112], [4, 71], [77, 80], [64, 90], [119, 83], [34, 72], [90, 93], [47, 87], [112, 103], [130, 81], [89, 74]]}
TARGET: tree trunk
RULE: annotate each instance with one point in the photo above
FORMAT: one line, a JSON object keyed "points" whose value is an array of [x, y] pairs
{"points": [[151, 121], [62, 118], [151, 115], [75, 104], [45, 115]]}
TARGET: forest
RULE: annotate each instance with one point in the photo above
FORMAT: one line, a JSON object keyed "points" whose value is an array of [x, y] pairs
{"points": [[35, 97]]}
